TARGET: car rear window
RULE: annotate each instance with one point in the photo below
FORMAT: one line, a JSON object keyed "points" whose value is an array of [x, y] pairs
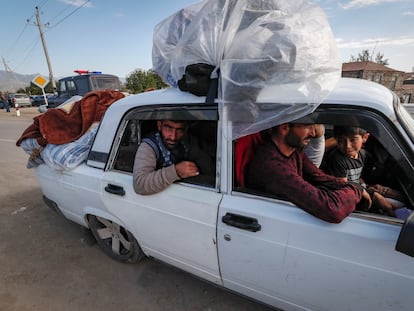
{"points": [[104, 83]]}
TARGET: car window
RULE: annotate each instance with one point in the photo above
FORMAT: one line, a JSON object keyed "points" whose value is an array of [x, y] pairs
{"points": [[99, 82], [70, 85], [80, 85], [202, 130], [384, 143], [62, 86]]}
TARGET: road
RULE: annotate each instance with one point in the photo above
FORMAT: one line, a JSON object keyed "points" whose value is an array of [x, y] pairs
{"points": [[49, 263]]}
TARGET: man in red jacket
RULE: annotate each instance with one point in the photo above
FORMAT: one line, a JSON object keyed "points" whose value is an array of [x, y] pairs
{"points": [[280, 167]]}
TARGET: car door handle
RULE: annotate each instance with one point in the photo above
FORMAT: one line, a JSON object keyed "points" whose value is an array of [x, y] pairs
{"points": [[242, 222], [114, 189]]}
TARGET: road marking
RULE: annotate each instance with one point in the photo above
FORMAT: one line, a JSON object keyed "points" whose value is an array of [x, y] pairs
{"points": [[8, 140]]}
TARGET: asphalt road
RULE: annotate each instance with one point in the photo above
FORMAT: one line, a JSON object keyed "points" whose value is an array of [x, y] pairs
{"points": [[48, 263]]}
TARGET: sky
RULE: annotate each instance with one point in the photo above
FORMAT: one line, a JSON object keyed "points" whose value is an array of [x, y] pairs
{"points": [[115, 36]]}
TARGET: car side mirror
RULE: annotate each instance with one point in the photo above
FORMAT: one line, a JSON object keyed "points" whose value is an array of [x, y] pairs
{"points": [[405, 242]]}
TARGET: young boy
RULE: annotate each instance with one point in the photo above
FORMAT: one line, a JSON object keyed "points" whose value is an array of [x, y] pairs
{"points": [[348, 160]]}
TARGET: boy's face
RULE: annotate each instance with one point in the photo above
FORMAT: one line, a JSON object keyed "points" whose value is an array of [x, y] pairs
{"points": [[350, 145]]}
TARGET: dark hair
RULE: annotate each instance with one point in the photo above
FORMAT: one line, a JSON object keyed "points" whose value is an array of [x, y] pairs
{"points": [[348, 131], [186, 123]]}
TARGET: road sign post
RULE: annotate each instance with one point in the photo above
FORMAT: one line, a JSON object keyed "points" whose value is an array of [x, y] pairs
{"points": [[41, 82]]}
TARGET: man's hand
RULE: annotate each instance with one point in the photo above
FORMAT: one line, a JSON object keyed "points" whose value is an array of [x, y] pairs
{"points": [[186, 169], [366, 202], [384, 204]]}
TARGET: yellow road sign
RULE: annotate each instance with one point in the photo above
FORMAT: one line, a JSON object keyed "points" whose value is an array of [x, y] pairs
{"points": [[40, 81]]}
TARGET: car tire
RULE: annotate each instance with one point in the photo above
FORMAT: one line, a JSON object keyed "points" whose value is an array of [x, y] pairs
{"points": [[117, 242]]}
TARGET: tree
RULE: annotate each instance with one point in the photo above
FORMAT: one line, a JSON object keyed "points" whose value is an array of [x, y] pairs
{"points": [[140, 80], [35, 90], [380, 59], [366, 56]]}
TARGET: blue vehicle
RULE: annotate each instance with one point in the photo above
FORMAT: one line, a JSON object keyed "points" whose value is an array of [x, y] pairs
{"points": [[85, 81]]}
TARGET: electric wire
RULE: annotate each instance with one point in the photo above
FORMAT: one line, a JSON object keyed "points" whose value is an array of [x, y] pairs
{"points": [[29, 52], [70, 14], [59, 14], [36, 41]]}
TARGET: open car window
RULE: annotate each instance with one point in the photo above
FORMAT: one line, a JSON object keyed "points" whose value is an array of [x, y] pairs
{"points": [[391, 155], [202, 132]]}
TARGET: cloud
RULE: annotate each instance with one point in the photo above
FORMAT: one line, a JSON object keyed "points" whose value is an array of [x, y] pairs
{"points": [[401, 41], [79, 3], [409, 13], [365, 3]]}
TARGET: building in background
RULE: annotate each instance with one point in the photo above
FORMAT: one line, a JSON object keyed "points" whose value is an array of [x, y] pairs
{"points": [[400, 82]]}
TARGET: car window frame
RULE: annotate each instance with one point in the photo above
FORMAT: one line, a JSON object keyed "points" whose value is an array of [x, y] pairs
{"points": [[334, 114], [190, 112]]}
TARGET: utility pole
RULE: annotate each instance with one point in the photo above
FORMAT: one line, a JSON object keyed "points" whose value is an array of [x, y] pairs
{"points": [[40, 26], [7, 69]]}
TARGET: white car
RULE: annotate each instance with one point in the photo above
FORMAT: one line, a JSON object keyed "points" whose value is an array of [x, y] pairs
{"points": [[20, 99], [259, 246]]}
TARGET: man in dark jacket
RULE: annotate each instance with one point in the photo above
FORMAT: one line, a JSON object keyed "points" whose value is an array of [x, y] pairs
{"points": [[280, 167]]}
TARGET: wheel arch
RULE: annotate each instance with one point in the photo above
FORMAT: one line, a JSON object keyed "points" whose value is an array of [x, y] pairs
{"points": [[92, 211], [88, 211]]}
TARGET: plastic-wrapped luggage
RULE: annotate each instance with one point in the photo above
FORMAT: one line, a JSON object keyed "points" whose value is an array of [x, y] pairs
{"points": [[257, 44], [60, 157]]}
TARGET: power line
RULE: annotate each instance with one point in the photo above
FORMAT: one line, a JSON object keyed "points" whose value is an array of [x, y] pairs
{"points": [[29, 50], [17, 40], [60, 13], [70, 14], [28, 21], [42, 4]]}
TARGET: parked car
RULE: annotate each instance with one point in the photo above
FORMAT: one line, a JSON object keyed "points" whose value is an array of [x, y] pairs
{"points": [[21, 99], [38, 100], [263, 247], [85, 81]]}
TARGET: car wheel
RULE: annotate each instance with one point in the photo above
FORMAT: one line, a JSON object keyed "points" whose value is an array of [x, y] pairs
{"points": [[114, 240]]}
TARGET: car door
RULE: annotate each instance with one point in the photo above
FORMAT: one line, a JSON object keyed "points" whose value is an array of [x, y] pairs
{"points": [[297, 260], [176, 225], [271, 250]]}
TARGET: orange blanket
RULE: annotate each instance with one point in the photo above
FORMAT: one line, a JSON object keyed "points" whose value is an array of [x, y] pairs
{"points": [[60, 125]]}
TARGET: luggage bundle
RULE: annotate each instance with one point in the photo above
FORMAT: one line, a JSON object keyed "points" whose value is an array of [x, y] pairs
{"points": [[62, 137], [250, 46]]}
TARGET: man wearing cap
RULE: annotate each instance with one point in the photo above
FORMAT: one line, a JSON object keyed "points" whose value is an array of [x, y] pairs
{"points": [[280, 167]]}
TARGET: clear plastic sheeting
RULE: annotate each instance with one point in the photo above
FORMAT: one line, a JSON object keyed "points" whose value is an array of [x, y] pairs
{"points": [[167, 34], [277, 58]]}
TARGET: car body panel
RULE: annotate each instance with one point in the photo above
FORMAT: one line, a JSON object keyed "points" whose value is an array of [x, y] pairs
{"points": [[186, 215], [178, 211], [270, 263]]}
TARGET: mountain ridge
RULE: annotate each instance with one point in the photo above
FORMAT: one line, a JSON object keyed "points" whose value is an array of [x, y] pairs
{"points": [[11, 81]]}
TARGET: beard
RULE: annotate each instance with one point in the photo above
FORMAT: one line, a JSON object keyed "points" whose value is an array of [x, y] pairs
{"points": [[170, 144], [294, 141]]}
